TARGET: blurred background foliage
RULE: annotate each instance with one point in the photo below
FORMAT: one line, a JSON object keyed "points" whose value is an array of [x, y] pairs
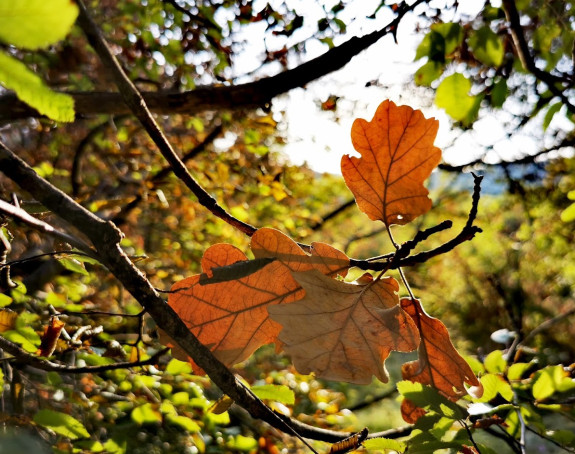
{"points": [[517, 275]]}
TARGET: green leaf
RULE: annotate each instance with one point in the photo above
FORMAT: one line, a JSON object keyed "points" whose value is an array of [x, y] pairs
{"points": [[61, 423], [177, 367], [29, 88], [5, 300], [499, 93], [553, 109], [516, 370], [429, 72], [475, 364], [20, 339], [550, 380], [452, 34], [432, 46], [429, 398], [89, 446], [73, 265], [34, 24], [118, 444], [495, 363], [189, 425], [279, 393], [180, 398], [492, 385], [145, 414], [568, 213], [379, 444], [486, 46], [241, 443], [453, 96]]}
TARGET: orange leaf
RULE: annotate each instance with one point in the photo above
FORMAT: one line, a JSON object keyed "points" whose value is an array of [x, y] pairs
{"points": [[7, 319], [271, 243], [344, 331], [439, 364], [411, 412], [50, 337], [231, 316], [397, 156]]}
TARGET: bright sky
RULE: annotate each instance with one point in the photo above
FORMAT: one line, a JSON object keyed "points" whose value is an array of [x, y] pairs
{"points": [[321, 138]]}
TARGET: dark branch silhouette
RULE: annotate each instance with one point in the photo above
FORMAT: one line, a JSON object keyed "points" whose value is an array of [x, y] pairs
{"points": [[249, 95]]}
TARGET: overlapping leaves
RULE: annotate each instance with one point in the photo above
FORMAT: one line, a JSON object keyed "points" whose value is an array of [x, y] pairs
{"points": [[292, 297]]}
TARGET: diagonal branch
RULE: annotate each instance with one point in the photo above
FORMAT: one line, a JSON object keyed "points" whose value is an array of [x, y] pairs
{"points": [[106, 239], [249, 95], [137, 105], [21, 215]]}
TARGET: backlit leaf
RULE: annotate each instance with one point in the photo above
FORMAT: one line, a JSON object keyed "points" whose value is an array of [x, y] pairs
{"points": [[7, 320], [492, 385], [231, 317], [279, 393], [189, 425], [146, 414], [344, 331], [33, 24], [397, 155], [26, 342], [5, 300], [429, 72], [429, 398], [73, 265], [550, 380], [439, 364], [14, 75], [486, 46], [453, 96], [50, 337], [221, 405], [61, 423], [378, 444]]}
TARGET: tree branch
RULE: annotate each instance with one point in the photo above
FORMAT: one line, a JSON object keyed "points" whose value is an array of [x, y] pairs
{"points": [[106, 239], [399, 258], [23, 357], [137, 105], [249, 95], [21, 215]]}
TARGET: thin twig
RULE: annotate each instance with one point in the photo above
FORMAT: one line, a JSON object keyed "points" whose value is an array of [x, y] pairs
{"points": [[23, 357], [547, 324], [21, 215], [467, 233]]}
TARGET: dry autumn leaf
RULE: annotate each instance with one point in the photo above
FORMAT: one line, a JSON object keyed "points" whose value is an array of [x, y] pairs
{"points": [[344, 331], [397, 156], [231, 316], [7, 319], [439, 364], [50, 337]]}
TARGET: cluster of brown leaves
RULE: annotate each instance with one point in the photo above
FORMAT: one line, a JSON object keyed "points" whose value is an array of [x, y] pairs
{"points": [[297, 300]]}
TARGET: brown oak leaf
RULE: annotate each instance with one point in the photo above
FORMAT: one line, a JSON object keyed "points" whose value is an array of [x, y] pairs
{"points": [[439, 364], [397, 156], [343, 331], [230, 315]]}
